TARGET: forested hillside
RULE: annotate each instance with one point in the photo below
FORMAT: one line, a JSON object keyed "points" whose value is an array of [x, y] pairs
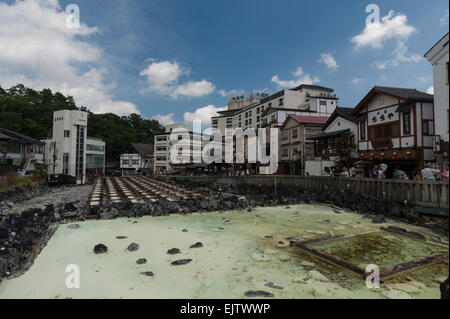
{"points": [[30, 112]]}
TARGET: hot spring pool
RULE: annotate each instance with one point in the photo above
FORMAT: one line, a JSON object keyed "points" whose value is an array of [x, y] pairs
{"points": [[240, 253]]}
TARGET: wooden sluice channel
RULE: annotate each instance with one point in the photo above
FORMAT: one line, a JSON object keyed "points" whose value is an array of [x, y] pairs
{"points": [[132, 189]]}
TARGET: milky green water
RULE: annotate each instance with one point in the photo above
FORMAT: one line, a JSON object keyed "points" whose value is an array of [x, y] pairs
{"points": [[233, 260]]}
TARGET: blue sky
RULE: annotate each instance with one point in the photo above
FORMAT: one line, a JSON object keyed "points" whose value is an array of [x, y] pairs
{"points": [[169, 57]]}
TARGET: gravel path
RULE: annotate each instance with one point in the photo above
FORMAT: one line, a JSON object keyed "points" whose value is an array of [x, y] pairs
{"points": [[55, 196]]}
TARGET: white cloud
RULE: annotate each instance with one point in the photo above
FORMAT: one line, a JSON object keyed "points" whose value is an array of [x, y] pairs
{"points": [[164, 119], [329, 61], [194, 89], [357, 81], [444, 19], [390, 27], [300, 78], [401, 54], [430, 90], [203, 114], [163, 78], [38, 50]]}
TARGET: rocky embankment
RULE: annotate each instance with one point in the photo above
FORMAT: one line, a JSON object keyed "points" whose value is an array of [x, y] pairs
{"points": [[23, 235]]}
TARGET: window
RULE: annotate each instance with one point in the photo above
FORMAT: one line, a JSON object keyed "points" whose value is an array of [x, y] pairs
{"points": [[79, 159], [257, 118], [295, 133], [95, 148], [249, 121], [135, 162], [447, 73], [125, 162], [427, 128], [66, 163], [384, 130], [323, 102], [362, 130], [280, 102], [257, 110], [270, 104], [406, 123], [66, 133]]}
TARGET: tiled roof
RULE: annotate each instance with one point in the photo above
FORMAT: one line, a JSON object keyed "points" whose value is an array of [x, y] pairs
{"points": [[17, 137], [407, 94], [143, 149], [310, 119]]}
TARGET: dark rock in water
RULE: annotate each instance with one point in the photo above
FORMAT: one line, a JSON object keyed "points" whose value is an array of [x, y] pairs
{"points": [[141, 261], [184, 230], [337, 211], [74, 226], [174, 251], [249, 209], [326, 220], [287, 207], [121, 237], [135, 222], [273, 286], [416, 235], [258, 293], [181, 262], [444, 289], [268, 236], [379, 219], [100, 249], [197, 245], [133, 247], [398, 229], [147, 273]]}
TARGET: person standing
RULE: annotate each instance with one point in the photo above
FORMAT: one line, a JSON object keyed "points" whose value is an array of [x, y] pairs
{"points": [[345, 172], [374, 172], [445, 173], [398, 174], [429, 174]]}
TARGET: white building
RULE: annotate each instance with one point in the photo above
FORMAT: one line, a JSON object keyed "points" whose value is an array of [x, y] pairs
{"points": [[304, 100], [137, 157], [70, 151], [340, 123], [438, 56]]}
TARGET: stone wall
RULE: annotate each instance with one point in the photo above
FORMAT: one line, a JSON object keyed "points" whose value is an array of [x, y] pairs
{"points": [[432, 196]]}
